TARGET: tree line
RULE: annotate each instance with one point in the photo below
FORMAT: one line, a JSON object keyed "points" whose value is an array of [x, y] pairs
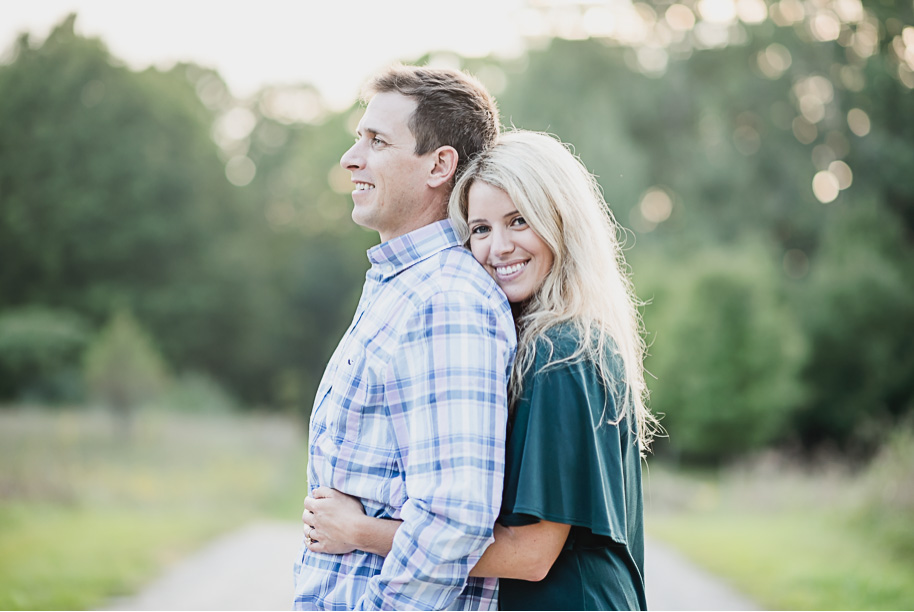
{"points": [[765, 185]]}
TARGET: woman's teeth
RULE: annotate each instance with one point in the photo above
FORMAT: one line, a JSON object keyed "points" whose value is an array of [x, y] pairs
{"points": [[509, 270]]}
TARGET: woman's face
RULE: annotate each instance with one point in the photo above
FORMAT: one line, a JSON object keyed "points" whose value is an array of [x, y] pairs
{"points": [[504, 244]]}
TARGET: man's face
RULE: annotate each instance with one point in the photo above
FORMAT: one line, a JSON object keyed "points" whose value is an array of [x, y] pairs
{"points": [[391, 188]]}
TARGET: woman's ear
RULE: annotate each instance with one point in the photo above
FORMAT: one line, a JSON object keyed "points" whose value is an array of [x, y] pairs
{"points": [[445, 160]]}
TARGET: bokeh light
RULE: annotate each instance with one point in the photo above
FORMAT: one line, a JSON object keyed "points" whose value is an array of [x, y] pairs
{"points": [[825, 186], [842, 172], [752, 11], [825, 26], [858, 121], [850, 11], [656, 205], [680, 17], [787, 12], [774, 60], [293, 105], [717, 11], [240, 170], [804, 131], [237, 124]]}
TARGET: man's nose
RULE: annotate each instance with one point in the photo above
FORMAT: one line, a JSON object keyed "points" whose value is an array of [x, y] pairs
{"points": [[352, 159]]}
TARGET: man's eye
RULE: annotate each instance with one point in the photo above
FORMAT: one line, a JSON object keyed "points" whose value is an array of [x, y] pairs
{"points": [[377, 141]]}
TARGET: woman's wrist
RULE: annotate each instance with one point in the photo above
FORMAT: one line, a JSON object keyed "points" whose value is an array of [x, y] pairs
{"points": [[361, 532], [375, 535]]}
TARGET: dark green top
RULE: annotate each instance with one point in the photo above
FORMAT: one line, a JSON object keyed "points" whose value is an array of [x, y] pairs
{"points": [[563, 465]]}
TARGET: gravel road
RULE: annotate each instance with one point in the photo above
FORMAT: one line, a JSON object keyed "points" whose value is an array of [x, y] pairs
{"points": [[251, 569]]}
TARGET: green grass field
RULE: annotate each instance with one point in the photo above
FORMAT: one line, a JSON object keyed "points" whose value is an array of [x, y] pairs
{"points": [[792, 539], [87, 512]]}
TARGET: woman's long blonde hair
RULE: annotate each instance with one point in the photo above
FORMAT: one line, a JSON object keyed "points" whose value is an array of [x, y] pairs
{"points": [[588, 286]]}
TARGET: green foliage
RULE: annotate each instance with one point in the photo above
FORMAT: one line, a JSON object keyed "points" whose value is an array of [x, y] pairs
{"points": [[114, 195], [123, 368], [726, 355], [857, 303], [37, 349]]}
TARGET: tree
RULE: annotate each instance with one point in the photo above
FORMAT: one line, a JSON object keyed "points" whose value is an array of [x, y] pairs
{"points": [[123, 368]]}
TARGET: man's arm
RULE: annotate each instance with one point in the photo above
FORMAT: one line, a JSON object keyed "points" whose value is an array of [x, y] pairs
{"points": [[446, 391], [524, 552]]}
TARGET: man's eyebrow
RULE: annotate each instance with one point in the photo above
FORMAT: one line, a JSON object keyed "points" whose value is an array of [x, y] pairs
{"points": [[372, 132]]}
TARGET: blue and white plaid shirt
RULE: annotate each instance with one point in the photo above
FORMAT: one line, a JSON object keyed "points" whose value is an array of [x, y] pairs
{"points": [[410, 417]]}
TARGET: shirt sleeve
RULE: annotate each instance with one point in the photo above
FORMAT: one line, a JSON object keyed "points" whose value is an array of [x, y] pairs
{"points": [[446, 390]]}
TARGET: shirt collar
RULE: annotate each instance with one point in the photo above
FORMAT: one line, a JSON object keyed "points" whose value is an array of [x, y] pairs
{"points": [[392, 257]]}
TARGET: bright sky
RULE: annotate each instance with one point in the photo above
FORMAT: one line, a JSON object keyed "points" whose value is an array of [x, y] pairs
{"points": [[332, 44]]}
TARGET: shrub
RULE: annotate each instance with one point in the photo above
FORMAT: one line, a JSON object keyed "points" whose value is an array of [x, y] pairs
{"points": [[39, 353], [858, 310], [726, 355], [196, 393]]}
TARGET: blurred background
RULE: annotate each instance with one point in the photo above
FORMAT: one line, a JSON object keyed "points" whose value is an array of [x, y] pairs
{"points": [[177, 263]]}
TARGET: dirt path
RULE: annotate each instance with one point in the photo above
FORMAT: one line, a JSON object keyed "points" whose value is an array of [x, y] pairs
{"points": [[251, 569]]}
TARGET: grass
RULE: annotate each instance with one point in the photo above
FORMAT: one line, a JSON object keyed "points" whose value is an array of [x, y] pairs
{"points": [[58, 558], [88, 513], [796, 538]]}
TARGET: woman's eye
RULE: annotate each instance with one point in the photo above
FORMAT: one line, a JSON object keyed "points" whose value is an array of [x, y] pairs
{"points": [[479, 229], [518, 221]]}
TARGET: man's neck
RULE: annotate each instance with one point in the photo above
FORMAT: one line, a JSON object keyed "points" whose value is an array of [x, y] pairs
{"points": [[431, 214]]}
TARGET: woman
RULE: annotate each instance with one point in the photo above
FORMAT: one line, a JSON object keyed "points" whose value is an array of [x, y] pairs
{"points": [[570, 533]]}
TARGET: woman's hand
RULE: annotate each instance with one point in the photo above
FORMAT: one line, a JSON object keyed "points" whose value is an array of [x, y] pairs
{"points": [[335, 523], [331, 521]]}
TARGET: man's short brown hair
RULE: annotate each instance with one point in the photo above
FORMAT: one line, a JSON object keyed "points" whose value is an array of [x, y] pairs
{"points": [[452, 108]]}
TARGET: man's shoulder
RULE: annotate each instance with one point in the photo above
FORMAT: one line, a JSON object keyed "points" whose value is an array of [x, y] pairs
{"points": [[454, 273]]}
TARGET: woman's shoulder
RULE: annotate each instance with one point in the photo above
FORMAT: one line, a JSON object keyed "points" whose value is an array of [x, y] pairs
{"points": [[557, 342], [565, 343]]}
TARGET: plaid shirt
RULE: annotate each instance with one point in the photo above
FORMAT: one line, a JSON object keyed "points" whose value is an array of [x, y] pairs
{"points": [[410, 417]]}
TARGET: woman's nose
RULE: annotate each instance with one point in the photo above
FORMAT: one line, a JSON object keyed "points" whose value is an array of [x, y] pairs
{"points": [[502, 243]]}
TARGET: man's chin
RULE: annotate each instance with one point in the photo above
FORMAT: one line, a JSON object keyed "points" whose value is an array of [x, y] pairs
{"points": [[362, 220]]}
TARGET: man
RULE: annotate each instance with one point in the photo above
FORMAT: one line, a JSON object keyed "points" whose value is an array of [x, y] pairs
{"points": [[410, 414]]}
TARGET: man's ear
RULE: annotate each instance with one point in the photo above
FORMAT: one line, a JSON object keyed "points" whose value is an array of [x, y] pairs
{"points": [[445, 160]]}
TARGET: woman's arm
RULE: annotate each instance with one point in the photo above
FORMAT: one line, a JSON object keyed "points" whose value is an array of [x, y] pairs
{"points": [[525, 553], [337, 524]]}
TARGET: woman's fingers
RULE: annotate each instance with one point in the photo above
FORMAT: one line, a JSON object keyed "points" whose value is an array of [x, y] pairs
{"points": [[315, 545], [311, 504], [308, 519]]}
